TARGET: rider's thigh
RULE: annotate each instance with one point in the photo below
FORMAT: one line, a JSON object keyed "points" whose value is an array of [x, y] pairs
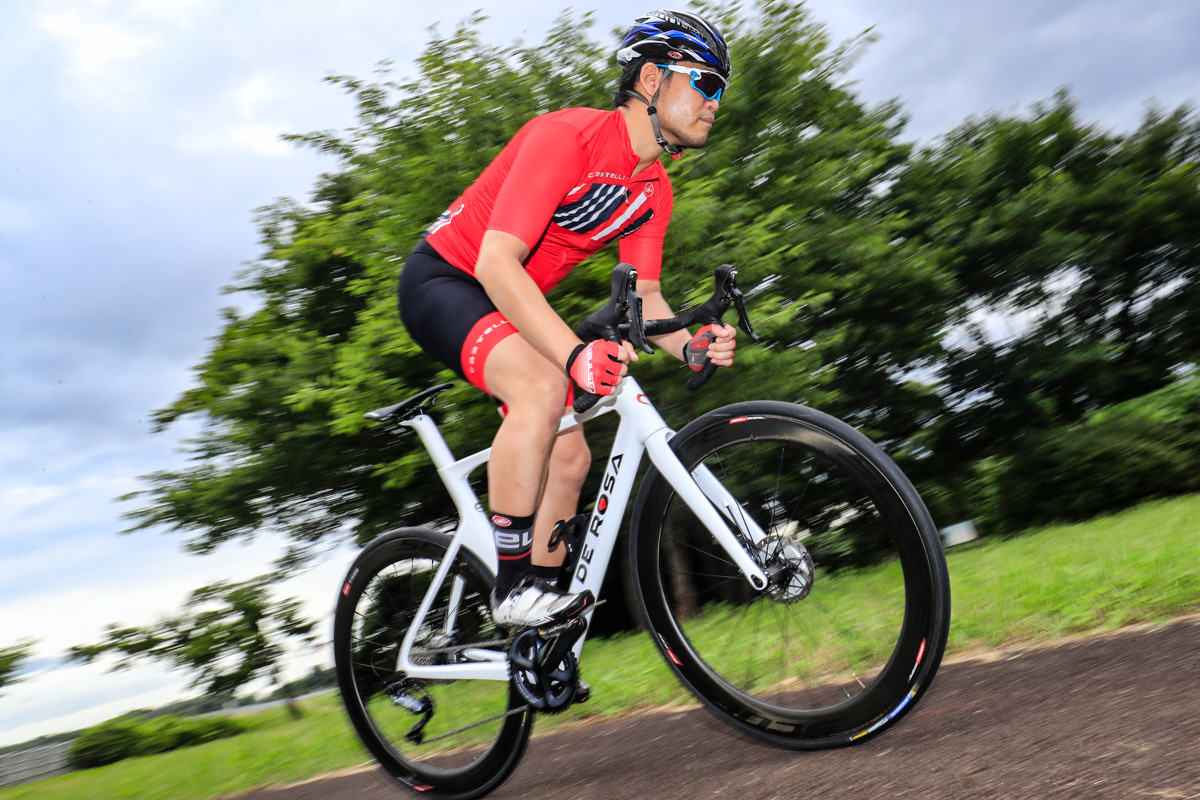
{"points": [[525, 380]]}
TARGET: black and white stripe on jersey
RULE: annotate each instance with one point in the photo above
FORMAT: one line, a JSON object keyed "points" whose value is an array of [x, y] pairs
{"points": [[637, 223], [594, 209]]}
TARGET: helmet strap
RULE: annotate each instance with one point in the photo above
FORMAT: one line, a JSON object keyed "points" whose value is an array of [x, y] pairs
{"points": [[674, 150]]}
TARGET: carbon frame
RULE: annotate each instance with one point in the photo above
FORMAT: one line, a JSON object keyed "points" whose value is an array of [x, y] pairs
{"points": [[641, 431]]}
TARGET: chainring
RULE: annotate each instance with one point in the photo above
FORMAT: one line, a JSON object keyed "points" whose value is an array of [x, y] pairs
{"points": [[547, 688]]}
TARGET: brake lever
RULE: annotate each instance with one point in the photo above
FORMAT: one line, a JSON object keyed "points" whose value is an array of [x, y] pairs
{"points": [[603, 323], [607, 322], [637, 324], [739, 302]]}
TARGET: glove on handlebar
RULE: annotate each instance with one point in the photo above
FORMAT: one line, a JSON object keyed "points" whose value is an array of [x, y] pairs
{"points": [[695, 352], [595, 366]]}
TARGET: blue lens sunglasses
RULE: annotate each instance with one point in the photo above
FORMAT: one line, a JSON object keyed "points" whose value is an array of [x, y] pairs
{"points": [[708, 83]]}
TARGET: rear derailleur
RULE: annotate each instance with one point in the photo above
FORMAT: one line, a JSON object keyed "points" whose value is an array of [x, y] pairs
{"points": [[412, 697]]}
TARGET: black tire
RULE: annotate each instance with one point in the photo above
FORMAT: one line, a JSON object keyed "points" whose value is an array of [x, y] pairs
{"points": [[375, 609], [825, 669]]}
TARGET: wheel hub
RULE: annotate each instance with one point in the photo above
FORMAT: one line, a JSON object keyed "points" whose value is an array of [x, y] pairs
{"points": [[788, 565]]}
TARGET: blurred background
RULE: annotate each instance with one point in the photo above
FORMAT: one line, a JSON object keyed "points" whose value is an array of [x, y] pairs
{"points": [[968, 230]]}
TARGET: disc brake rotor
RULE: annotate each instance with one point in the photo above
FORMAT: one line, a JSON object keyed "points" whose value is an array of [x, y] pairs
{"points": [[788, 565]]}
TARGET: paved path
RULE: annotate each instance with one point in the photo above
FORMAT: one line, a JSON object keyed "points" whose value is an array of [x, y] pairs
{"points": [[1115, 716]]}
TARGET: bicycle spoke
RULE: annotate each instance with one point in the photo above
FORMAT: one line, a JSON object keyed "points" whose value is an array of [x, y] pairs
{"points": [[691, 573]]}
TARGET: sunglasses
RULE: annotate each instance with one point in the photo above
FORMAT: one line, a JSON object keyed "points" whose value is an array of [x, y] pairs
{"points": [[706, 82]]}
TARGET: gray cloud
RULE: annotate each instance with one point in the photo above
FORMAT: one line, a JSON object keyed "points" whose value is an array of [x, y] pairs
{"points": [[947, 60]]}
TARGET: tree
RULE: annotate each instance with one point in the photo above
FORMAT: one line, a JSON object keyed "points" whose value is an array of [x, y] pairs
{"points": [[1087, 236], [1083, 244], [284, 389], [227, 634], [12, 658]]}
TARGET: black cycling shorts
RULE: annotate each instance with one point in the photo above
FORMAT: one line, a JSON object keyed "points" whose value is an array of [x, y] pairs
{"points": [[448, 313]]}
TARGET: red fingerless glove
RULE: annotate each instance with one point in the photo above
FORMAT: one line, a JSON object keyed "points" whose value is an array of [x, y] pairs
{"points": [[695, 352], [595, 366]]}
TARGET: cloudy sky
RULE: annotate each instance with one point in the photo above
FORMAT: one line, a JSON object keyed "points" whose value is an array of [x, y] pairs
{"points": [[138, 136]]}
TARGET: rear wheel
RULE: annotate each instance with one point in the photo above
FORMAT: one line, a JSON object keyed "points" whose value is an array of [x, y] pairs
{"points": [[450, 739], [851, 627]]}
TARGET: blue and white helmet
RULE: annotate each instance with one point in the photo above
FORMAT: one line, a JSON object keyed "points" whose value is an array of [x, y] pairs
{"points": [[676, 36]]}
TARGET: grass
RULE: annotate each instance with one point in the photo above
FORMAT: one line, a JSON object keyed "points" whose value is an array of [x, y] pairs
{"points": [[1142, 565]]}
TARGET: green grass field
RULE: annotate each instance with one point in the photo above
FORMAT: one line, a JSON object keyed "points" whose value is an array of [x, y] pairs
{"points": [[1138, 566]]}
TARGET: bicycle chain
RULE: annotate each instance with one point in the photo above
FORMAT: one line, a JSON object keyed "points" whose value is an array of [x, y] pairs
{"points": [[488, 645], [509, 713]]}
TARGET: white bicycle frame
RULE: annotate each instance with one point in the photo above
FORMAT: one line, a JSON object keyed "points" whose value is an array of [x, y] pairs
{"points": [[641, 430]]}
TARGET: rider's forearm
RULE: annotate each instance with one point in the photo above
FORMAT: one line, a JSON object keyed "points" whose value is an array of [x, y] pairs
{"points": [[501, 272]]}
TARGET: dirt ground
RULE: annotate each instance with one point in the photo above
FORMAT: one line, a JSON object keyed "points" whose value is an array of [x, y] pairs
{"points": [[1113, 716]]}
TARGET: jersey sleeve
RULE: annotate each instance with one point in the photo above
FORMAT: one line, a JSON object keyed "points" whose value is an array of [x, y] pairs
{"points": [[643, 248], [549, 161]]}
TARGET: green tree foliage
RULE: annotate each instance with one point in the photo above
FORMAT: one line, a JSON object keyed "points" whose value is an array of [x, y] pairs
{"points": [[11, 660], [789, 190], [1114, 457], [1086, 238], [227, 635], [130, 736]]}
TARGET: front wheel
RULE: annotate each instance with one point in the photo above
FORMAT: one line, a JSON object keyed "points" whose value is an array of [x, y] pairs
{"points": [[851, 627], [446, 738]]}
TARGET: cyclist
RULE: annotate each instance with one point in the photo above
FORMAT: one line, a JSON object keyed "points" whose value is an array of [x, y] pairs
{"points": [[472, 290]]}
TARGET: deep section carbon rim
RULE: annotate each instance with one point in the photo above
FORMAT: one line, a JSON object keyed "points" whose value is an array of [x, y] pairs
{"points": [[851, 627]]}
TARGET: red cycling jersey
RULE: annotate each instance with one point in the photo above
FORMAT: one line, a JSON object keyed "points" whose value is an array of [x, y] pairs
{"points": [[563, 186]]}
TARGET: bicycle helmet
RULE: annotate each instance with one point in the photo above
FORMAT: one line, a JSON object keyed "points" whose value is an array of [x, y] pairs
{"points": [[665, 35], [675, 36]]}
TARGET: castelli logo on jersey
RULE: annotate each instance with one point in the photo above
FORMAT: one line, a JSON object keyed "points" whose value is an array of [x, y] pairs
{"points": [[649, 189], [503, 522]]}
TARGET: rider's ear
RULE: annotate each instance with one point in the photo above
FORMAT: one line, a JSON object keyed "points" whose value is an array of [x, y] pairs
{"points": [[649, 76]]}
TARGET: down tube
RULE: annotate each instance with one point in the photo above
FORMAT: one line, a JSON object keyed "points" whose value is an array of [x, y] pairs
{"points": [[604, 523]]}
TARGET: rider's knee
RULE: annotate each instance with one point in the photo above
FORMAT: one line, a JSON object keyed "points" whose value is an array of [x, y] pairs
{"points": [[543, 394], [572, 459]]}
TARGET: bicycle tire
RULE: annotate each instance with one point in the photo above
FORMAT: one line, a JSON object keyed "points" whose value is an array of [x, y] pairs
{"points": [[839, 664], [375, 609]]}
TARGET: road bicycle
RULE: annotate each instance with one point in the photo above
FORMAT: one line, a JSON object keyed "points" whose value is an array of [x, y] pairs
{"points": [[784, 567]]}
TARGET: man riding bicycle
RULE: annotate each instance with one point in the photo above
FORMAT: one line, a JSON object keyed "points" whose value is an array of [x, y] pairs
{"points": [[472, 292]]}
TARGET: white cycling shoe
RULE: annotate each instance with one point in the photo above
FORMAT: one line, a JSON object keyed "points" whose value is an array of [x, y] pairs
{"points": [[533, 602]]}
